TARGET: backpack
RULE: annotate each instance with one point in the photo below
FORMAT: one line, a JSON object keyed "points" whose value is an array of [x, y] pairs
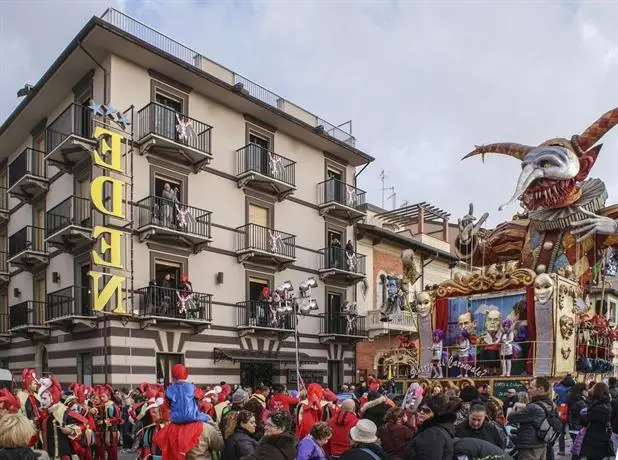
{"points": [[551, 427]]}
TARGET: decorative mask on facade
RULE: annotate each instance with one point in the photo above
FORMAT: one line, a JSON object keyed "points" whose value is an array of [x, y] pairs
{"points": [[492, 321], [567, 327], [543, 288], [566, 352], [424, 304]]}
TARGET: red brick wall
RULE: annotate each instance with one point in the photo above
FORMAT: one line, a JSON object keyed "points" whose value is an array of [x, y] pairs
{"points": [[390, 263]]}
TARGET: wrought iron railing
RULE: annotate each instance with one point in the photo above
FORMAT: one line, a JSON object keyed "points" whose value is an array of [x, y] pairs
{"points": [[342, 259], [184, 53], [340, 324], [256, 313], [28, 162], [254, 158], [29, 238], [171, 303], [71, 301], [252, 236], [167, 123], [75, 120], [335, 190], [405, 322], [162, 212], [72, 211], [28, 313]]}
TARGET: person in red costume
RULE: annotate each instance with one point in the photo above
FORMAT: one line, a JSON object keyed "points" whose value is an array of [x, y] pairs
{"points": [[193, 439], [78, 403], [310, 410], [109, 421], [9, 404], [281, 401], [373, 384], [29, 400], [61, 428], [150, 413]]}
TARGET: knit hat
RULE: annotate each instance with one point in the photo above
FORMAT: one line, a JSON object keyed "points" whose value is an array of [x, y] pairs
{"points": [[180, 372], [240, 396], [364, 432], [469, 394]]}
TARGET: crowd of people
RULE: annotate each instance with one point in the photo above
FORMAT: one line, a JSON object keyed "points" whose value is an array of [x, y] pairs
{"points": [[186, 422]]}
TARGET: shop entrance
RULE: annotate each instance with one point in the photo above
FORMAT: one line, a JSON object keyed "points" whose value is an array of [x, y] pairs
{"points": [[255, 373]]}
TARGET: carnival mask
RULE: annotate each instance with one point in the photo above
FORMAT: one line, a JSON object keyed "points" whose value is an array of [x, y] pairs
{"points": [[567, 327], [492, 321], [543, 288], [466, 321], [424, 304], [46, 400], [392, 287]]}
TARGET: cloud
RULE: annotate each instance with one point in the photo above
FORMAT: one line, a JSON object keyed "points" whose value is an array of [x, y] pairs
{"points": [[422, 82]]}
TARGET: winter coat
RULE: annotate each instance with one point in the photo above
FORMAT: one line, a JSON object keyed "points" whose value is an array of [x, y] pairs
{"points": [[434, 440], [239, 445], [575, 408], [281, 402], [357, 453], [487, 432], [529, 420], [394, 438], [22, 454], [341, 425], [183, 405], [279, 447], [613, 392], [597, 443], [477, 448], [308, 449], [561, 393], [375, 410], [210, 440]]}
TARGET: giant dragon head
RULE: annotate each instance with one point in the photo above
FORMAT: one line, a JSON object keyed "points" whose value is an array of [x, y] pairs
{"points": [[551, 171]]}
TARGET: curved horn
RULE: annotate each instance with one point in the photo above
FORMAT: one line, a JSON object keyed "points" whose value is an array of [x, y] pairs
{"points": [[505, 148], [598, 129]]}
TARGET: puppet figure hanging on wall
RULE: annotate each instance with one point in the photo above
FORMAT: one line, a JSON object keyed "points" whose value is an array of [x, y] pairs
{"points": [[436, 353], [464, 352], [506, 346], [565, 222], [393, 297]]}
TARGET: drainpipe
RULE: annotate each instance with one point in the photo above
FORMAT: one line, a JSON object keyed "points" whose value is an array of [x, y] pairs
{"points": [[105, 101]]}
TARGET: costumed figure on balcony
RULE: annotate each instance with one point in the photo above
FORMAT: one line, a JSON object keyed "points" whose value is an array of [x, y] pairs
{"points": [[436, 353], [109, 420], [168, 200], [464, 351], [507, 336], [490, 356], [350, 313], [565, 222], [149, 414], [61, 428], [186, 303]]}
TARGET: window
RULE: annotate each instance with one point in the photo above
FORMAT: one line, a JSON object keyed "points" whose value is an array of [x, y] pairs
{"points": [[169, 101], [84, 368], [255, 287], [335, 252], [165, 362], [167, 273], [336, 321], [335, 184]]}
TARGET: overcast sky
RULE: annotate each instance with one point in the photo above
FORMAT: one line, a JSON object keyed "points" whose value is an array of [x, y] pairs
{"points": [[423, 82]]}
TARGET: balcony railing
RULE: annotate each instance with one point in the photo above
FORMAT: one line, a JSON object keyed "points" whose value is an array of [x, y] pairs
{"points": [[257, 159], [335, 190], [162, 212], [256, 313], [28, 313], [334, 323], [71, 301], [162, 121], [404, 322], [252, 236], [162, 302], [28, 162], [72, 211], [29, 238], [75, 120], [341, 259], [184, 53], [4, 323]]}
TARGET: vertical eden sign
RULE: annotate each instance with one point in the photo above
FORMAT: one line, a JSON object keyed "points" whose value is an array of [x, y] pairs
{"points": [[108, 156]]}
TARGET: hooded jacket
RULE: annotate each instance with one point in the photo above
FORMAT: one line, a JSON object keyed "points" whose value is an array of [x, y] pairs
{"points": [[529, 420], [279, 447], [434, 440], [597, 443], [183, 405], [341, 425], [375, 410]]}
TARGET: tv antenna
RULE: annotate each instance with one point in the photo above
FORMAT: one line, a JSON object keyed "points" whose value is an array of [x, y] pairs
{"points": [[385, 189]]}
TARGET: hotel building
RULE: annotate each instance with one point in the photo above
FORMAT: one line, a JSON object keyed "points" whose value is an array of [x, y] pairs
{"points": [[221, 180]]}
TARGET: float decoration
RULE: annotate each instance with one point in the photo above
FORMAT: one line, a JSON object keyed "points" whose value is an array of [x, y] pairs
{"points": [[497, 277]]}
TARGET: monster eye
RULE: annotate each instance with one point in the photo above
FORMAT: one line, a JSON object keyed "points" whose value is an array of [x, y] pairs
{"points": [[546, 164]]}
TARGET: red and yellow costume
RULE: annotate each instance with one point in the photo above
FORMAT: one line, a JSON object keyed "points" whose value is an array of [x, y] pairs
{"points": [[78, 403], [29, 403], [152, 416], [8, 402], [109, 421]]}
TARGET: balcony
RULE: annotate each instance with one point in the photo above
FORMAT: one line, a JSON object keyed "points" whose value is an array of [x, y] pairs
{"points": [[68, 226], [170, 222], [165, 132], [340, 200], [5, 275], [341, 265], [28, 176], [256, 317], [28, 249], [5, 336], [336, 327], [70, 308], [406, 324], [265, 246], [172, 307], [28, 319], [69, 138], [265, 171]]}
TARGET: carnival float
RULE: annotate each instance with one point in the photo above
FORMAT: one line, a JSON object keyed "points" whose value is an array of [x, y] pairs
{"points": [[523, 307]]}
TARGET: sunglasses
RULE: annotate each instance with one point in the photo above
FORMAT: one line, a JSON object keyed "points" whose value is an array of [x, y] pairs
{"points": [[424, 410]]}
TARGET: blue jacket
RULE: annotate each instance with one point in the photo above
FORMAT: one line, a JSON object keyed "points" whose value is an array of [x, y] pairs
{"points": [[561, 393], [183, 406]]}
